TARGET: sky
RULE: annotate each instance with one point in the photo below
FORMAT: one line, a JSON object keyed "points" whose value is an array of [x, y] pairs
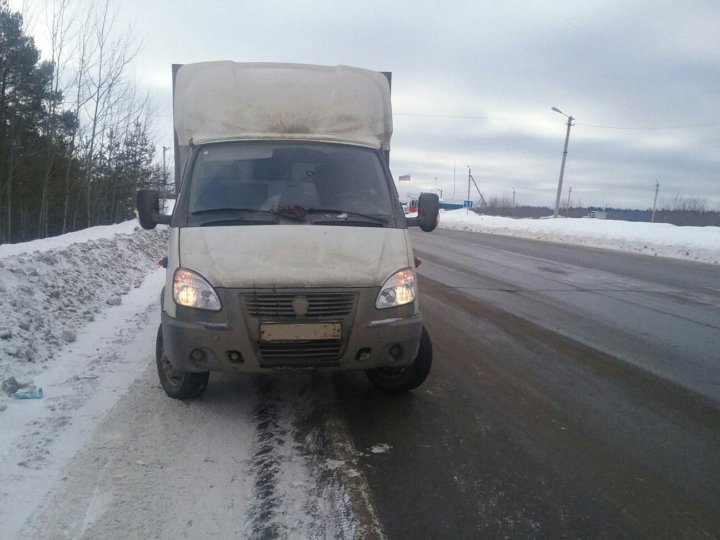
{"points": [[474, 83]]}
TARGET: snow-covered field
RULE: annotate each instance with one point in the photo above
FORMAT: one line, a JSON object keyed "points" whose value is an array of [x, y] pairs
{"points": [[73, 310], [701, 244]]}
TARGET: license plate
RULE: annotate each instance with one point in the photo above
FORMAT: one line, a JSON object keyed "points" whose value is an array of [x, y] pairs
{"points": [[297, 332]]}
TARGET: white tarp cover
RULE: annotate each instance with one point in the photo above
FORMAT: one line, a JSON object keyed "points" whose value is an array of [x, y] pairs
{"points": [[230, 100]]}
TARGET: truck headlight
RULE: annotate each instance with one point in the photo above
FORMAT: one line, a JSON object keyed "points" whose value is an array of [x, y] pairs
{"points": [[398, 290], [192, 290]]}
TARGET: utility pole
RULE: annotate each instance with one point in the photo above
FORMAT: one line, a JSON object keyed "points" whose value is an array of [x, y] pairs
{"points": [[513, 206], [454, 199], [562, 167], [567, 208], [483, 203], [469, 177], [657, 188]]}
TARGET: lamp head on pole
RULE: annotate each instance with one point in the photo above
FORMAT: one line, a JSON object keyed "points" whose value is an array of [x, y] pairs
{"points": [[558, 111]]}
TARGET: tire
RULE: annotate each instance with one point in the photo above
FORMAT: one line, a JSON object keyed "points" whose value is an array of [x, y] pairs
{"points": [[404, 379], [177, 384]]}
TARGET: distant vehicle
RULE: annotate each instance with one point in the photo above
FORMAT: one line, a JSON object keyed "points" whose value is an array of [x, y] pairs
{"points": [[288, 246]]}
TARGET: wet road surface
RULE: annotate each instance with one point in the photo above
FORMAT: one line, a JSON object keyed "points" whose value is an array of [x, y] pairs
{"points": [[574, 394]]}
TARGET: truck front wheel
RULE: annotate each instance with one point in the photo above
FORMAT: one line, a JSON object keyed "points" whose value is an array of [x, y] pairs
{"points": [[177, 384], [403, 379]]}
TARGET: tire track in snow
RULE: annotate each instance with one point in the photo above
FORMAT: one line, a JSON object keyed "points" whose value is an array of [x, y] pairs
{"points": [[307, 482], [266, 461]]}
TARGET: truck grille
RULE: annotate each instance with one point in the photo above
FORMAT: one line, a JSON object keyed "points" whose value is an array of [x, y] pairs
{"points": [[300, 354], [290, 306], [300, 306]]}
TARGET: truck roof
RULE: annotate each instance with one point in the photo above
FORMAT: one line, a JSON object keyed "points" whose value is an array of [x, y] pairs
{"points": [[218, 101]]}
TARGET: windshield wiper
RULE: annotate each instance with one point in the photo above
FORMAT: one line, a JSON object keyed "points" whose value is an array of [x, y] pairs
{"points": [[229, 215], [227, 211], [344, 214], [290, 211]]}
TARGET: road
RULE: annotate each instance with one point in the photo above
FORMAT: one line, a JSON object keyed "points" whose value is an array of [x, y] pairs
{"points": [[574, 393]]}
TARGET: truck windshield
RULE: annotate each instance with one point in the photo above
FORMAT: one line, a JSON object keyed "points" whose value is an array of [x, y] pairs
{"points": [[326, 181]]}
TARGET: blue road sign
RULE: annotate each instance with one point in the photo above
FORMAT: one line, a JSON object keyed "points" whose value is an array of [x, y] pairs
{"points": [[467, 204]]}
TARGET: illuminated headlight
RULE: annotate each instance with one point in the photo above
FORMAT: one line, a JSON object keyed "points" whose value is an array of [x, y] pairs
{"points": [[191, 290], [398, 290]]}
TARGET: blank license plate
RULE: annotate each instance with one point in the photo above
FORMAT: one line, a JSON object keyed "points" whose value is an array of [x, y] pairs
{"points": [[296, 332]]}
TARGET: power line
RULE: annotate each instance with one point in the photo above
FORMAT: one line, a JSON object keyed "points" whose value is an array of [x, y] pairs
{"points": [[686, 126], [519, 119], [452, 116]]}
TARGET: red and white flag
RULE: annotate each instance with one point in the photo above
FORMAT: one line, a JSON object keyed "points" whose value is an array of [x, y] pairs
{"points": [[404, 178]]}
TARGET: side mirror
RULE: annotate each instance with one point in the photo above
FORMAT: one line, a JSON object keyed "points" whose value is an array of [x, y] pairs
{"points": [[148, 209], [428, 210]]}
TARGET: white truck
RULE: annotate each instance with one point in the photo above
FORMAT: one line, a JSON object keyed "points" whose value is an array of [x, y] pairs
{"points": [[288, 247]]}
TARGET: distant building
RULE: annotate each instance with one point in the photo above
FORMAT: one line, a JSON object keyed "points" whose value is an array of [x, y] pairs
{"points": [[597, 214]]}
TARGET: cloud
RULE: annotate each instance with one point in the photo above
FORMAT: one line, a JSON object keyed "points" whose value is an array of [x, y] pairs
{"points": [[473, 82]]}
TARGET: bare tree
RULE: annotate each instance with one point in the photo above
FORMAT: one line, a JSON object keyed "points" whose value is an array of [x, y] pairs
{"points": [[104, 81], [680, 203], [82, 39], [74, 134], [59, 23]]}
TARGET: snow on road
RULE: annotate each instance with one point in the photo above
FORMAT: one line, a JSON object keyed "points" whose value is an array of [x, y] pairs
{"points": [[106, 454]]}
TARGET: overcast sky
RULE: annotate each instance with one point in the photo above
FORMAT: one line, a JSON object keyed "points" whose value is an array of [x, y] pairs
{"points": [[474, 82]]}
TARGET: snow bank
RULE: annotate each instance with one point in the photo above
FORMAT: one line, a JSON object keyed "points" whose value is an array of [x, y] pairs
{"points": [[701, 244], [51, 288], [67, 305], [65, 240]]}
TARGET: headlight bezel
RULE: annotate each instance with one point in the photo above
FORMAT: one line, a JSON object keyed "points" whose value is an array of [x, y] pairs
{"points": [[191, 290], [400, 289]]}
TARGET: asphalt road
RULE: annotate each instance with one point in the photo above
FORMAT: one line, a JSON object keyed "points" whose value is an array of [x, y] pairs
{"points": [[575, 393]]}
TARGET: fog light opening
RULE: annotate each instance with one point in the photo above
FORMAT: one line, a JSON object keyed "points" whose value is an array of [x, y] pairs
{"points": [[395, 351], [198, 356], [235, 357], [363, 355]]}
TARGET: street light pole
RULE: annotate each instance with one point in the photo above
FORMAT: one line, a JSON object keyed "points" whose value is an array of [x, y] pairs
{"points": [[562, 167], [165, 149]]}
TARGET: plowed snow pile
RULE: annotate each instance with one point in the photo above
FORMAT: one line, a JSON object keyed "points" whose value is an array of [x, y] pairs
{"points": [[46, 296]]}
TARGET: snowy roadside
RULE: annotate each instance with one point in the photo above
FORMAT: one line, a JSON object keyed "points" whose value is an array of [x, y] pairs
{"points": [[92, 452], [78, 316], [70, 311], [699, 244]]}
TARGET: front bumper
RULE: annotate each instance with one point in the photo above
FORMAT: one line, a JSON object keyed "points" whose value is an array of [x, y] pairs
{"points": [[230, 340]]}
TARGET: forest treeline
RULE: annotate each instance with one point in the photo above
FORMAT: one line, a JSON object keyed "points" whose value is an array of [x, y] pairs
{"points": [[75, 139]]}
